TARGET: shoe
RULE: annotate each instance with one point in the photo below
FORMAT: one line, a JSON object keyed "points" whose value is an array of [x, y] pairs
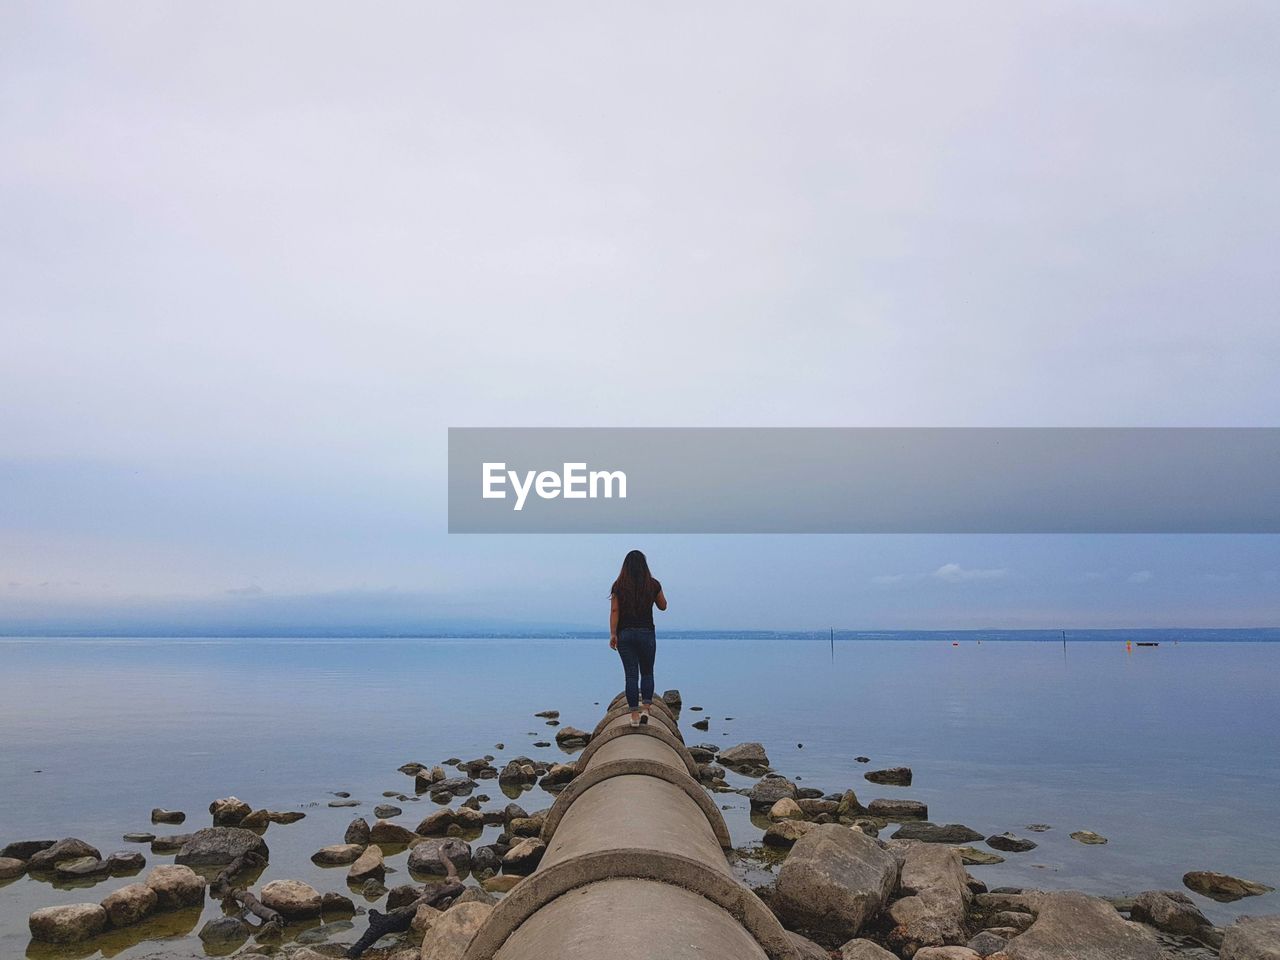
{"points": [[635, 722], [644, 719]]}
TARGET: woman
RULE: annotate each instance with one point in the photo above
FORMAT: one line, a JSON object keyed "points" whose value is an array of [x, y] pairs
{"points": [[631, 632]]}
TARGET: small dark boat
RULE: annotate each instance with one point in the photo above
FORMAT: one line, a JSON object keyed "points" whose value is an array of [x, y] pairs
{"points": [[1148, 643]]}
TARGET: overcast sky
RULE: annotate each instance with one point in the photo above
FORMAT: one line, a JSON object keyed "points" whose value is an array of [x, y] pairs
{"points": [[256, 258]]}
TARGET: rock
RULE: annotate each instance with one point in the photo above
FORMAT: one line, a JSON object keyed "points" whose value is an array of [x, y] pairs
{"points": [[548, 714], [338, 854], [952, 833], [425, 857], [25, 849], [81, 867], [11, 867], [848, 805], [784, 833], [523, 858], [256, 819], [344, 803], [292, 899], [123, 861], [337, 904], [769, 791], [68, 849], [161, 815], [384, 831], [403, 895], [1074, 926], [442, 790], [1038, 827], [745, 755], [900, 811], [672, 699], [1013, 920], [1169, 910], [864, 950], [224, 930], [485, 862], [423, 917], [1252, 938], [1010, 844], [169, 844], [413, 768], [987, 943], [947, 953], [175, 886], [129, 904], [572, 737], [972, 855], [357, 832], [786, 809], [70, 923], [559, 774], [373, 889], [527, 826], [451, 932], [369, 865], [218, 846], [933, 911], [833, 881], [1220, 886], [1088, 836], [502, 883], [817, 806], [704, 724], [229, 811], [893, 776], [436, 823], [386, 811], [806, 949], [138, 837]]}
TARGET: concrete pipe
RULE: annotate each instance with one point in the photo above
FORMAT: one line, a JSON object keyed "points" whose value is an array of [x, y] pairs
{"points": [[634, 866]]}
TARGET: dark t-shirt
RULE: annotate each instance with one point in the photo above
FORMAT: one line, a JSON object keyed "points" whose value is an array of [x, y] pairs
{"points": [[638, 615]]}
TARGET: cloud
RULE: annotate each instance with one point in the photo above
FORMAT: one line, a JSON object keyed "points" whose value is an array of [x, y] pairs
{"points": [[954, 573], [885, 579], [1141, 576], [252, 590]]}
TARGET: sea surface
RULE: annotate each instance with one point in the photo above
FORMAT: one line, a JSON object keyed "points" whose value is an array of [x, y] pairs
{"points": [[1169, 751]]}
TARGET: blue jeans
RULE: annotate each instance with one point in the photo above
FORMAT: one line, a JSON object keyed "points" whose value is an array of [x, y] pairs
{"points": [[637, 647]]}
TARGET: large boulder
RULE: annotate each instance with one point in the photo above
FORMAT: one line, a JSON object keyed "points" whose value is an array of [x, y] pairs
{"points": [[1075, 926], [1252, 938], [833, 881], [770, 790], [218, 846], [744, 755], [428, 856], [450, 933], [175, 886], [1169, 910], [864, 950], [68, 849], [69, 923], [292, 899], [129, 904], [935, 899], [936, 832]]}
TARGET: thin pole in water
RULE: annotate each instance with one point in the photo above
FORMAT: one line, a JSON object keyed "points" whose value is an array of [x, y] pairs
{"points": [[833, 644]]}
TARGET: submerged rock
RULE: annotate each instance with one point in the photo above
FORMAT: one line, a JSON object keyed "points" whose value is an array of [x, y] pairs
{"points": [[224, 930], [82, 867], [950, 833], [832, 883], [138, 837], [1088, 836], [69, 923], [1009, 843], [972, 855], [1223, 887], [901, 810], [338, 854]]}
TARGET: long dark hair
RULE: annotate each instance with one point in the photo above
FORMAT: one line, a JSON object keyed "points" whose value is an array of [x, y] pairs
{"points": [[634, 586]]}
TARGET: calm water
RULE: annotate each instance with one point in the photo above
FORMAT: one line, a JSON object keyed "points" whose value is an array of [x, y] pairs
{"points": [[1169, 752]]}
